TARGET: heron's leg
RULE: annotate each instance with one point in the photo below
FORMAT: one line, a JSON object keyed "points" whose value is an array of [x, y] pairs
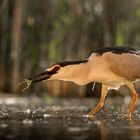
{"points": [[101, 102], [134, 98]]}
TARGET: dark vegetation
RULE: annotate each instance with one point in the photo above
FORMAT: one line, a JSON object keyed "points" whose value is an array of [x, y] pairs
{"points": [[36, 34]]}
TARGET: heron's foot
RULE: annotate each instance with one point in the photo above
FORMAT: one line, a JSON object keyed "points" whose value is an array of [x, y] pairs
{"points": [[96, 109], [92, 113], [129, 115], [90, 116], [25, 84]]}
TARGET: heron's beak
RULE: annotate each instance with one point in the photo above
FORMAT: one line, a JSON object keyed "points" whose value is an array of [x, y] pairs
{"points": [[41, 77]]}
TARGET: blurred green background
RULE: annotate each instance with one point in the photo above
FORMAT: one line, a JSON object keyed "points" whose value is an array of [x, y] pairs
{"points": [[35, 34]]}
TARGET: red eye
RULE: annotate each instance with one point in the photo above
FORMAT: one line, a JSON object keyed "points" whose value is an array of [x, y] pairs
{"points": [[56, 68]]}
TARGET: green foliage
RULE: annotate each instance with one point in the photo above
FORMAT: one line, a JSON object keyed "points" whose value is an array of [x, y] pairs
{"points": [[60, 26], [52, 47], [120, 33]]}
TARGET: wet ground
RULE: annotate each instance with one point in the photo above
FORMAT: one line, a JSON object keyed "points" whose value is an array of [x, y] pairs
{"points": [[58, 119]]}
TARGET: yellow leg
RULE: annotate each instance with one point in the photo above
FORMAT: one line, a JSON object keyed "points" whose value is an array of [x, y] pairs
{"points": [[134, 98], [101, 102]]}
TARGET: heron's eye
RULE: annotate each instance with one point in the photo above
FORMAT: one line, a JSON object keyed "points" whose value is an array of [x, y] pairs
{"points": [[56, 68]]}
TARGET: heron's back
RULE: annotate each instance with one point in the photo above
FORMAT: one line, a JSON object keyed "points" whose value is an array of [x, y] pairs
{"points": [[126, 65], [123, 62]]}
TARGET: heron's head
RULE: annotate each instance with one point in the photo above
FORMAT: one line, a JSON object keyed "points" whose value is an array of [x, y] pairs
{"points": [[47, 74], [60, 71]]}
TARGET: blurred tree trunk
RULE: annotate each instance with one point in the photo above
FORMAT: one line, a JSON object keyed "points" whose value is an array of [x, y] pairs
{"points": [[16, 43], [47, 10], [131, 23], [4, 41], [82, 51], [105, 25], [106, 22]]}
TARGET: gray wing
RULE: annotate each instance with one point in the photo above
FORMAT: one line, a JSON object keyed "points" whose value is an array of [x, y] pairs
{"points": [[125, 65]]}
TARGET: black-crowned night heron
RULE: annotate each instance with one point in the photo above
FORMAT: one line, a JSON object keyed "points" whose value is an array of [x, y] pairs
{"points": [[112, 67]]}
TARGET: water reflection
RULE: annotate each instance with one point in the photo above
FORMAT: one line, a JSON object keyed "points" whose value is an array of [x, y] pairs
{"points": [[65, 122], [45, 130], [72, 128]]}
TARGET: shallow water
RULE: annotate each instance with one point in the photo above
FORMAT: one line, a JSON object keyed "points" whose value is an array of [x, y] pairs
{"points": [[32, 118]]}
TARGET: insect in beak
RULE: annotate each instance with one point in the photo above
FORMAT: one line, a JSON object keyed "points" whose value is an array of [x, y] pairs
{"points": [[41, 77]]}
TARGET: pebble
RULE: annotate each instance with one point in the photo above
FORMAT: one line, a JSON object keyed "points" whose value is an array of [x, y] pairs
{"points": [[46, 115]]}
